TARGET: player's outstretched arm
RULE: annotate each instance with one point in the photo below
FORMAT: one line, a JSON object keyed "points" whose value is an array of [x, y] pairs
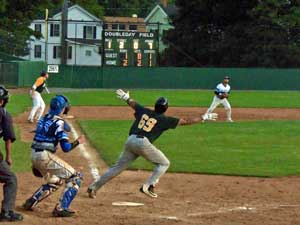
{"points": [[126, 97], [185, 122], [209, 116]]}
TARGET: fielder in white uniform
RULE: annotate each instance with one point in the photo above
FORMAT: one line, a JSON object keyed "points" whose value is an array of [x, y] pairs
{"points": [[221, 97], [38, 102]]}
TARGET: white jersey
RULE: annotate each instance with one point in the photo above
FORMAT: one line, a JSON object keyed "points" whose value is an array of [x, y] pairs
{"points": [[222, 89]]}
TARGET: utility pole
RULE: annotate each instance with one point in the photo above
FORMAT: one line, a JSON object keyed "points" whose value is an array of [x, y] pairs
{"points": [[64, 33], [46, 35]]}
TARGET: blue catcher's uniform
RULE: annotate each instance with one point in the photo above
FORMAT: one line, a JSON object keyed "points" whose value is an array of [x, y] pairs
{"points": [[52, 130]]}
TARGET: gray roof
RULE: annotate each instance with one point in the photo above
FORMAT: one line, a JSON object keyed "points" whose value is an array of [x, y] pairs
{"points": [[171, 10]]}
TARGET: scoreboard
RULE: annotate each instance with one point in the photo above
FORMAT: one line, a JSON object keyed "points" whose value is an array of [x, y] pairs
{"points": [[126, 48]]}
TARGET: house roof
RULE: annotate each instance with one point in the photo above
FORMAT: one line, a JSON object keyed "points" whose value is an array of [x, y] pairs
{"points": [[80, 9], [153, 11], [171, 10], [85, 41], [111, 19]]}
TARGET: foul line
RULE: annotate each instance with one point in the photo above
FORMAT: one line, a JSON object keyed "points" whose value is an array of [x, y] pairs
{"points": [[244, 209], [85, 153]]}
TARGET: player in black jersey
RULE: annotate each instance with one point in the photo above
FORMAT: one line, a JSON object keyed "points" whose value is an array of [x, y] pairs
{"points": [[147, 127]]}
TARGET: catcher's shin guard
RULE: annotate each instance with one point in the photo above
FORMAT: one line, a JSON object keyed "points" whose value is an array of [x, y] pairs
{"points": [[72, 187], [43, 192]]}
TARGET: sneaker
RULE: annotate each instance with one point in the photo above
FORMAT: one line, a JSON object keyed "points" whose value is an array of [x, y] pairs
{"points": [[230, 120], [10, 216], [30, 120], [59, 212], [91, 193], [148, 190], [28, 205]]}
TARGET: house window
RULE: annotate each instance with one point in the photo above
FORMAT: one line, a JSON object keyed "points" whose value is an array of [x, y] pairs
{"points": [[133, 27], [105, 27], [70, 52], [37, 51], [114, 27], [54, 30], [121, 26], [89, 32], [88, 53], [38, 28], [56, 52]]}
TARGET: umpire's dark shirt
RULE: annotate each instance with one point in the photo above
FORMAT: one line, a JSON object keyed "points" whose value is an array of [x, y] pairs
{"points": [[6, 128]]}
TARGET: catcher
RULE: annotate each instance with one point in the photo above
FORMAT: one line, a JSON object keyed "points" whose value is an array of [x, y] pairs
{"points": [[147, 127], [51, 130], [221, 97]]}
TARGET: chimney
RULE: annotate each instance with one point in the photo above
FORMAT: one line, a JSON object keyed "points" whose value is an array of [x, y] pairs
{"points": [[164, 3]]}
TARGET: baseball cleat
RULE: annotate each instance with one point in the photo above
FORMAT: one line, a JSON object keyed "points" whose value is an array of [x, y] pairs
{"points": [[91, 193], [28, 205], [30, 121], [148, 190], [10, 216], [59, 212], [230, 120]]}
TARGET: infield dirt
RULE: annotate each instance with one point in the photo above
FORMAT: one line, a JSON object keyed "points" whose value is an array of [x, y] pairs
{"points": [[183, 198]]}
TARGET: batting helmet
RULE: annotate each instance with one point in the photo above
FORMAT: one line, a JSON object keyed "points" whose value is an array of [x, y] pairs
{"points": [[57, 104], [4, 95], [161, 105]]}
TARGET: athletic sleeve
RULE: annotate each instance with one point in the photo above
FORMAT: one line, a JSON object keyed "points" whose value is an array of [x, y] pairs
{"points": [[138, 107], [170, 122], [60, 132], [7, 128], [139, 110], [38, 82]]}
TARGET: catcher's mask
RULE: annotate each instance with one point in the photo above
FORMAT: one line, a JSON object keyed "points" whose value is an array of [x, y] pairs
{"points": [[58, 103], [4, 95], [161, 105]]}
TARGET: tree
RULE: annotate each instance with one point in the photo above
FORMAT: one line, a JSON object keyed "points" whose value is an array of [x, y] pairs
{"points": [[91, 6], [127, 7], [15, 17], [274, 36], [234, 34]]}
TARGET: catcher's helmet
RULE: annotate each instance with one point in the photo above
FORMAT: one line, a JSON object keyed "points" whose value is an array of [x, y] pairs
{"points": [[4, 95], [58, 103], [161, 105]]}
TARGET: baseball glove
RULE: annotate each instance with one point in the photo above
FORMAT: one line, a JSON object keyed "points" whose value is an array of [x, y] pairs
{"points": [[223, 95]]}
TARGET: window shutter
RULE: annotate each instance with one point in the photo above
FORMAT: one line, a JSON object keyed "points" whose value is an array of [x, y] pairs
{"points": [[54, 52], [51, 30], [84, 32], [95, 32]]}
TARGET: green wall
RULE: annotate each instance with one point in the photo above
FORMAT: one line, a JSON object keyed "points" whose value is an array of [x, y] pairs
{"points": [[23, 74]]}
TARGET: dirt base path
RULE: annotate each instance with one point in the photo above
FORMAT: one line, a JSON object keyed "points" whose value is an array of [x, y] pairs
{"points": [[124, 112], [183, 198]]}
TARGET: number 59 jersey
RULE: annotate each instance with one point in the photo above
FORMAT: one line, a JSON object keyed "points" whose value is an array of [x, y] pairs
{"points": [[150, 124]]}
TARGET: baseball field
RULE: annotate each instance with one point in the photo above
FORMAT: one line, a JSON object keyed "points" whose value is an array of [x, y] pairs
{"points": [[246, 172]]}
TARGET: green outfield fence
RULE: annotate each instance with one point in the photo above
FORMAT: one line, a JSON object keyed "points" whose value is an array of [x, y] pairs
{"points": [[23, 74]]}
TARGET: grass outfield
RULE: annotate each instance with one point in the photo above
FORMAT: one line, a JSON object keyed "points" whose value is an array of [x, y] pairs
{"points": [[21, 153], [252, 99], [262, 148]]}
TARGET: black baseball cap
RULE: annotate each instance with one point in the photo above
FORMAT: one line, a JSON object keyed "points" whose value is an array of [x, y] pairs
{"points": [[43, 73], [227, 77]]}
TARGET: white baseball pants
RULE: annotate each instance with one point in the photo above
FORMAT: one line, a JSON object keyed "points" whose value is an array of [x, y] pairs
{"points": [[216, 101], [38, 107]]}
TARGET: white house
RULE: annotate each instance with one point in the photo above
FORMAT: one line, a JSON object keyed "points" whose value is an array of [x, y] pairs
{"points": [[84, 36]]}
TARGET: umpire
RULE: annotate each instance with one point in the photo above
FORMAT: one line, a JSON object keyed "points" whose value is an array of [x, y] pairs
{"points": [[6, 175]]}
